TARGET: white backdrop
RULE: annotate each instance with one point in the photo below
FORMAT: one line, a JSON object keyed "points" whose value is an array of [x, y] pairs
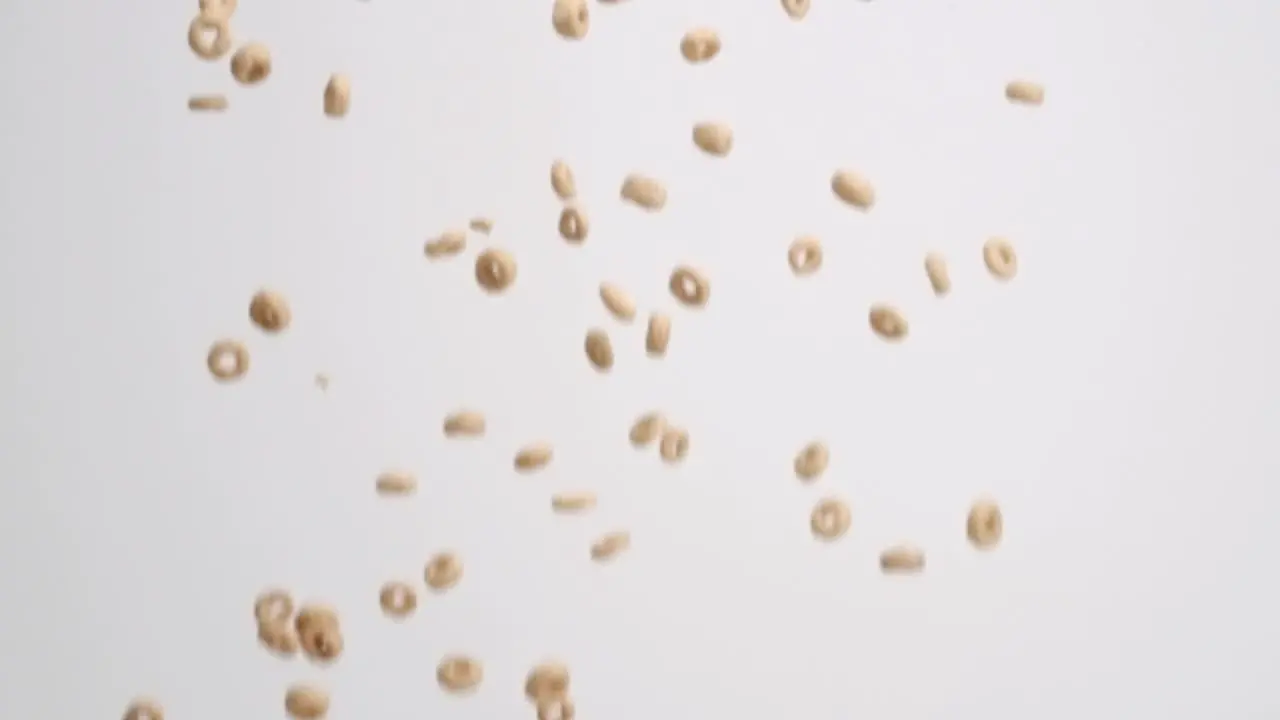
{"points": [[1119, 397]]}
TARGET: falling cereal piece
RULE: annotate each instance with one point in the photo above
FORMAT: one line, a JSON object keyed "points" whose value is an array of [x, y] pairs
{"points": [[546, 681], [935, 267], [618, 302], [481, 225], [689, 286], [714, 139], [644, 192], [459, 674], [830, 519], [985, 524], [396, 482], [304, 702], [495, 270], [805, 256], [610, 546], [270, 311], [658, 335], [466, 423], [573, 225], [700, 45], [562, 182], [573, 502], [443, 571], [1000, 258], [796, 9], [647, 428], [144, 709], [228, 360], [571, 19], [902, 559], [251, 64], [207, 103], [218, 8], [812, 461], [209, 36], [599, 350], [398, 599], [1024, 92], [533, 457], [337, 96], [853, 189], [887, 322], [674, 445], [450, 243]]}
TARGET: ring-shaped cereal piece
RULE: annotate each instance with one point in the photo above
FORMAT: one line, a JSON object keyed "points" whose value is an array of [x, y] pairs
{"points": [[887, 322], [305, 702], [690, 286], [279, 638], [673, 445], [443, 571], [547, 681], [398, 599], [273, 606], [495, 270], [985, 524], [224, 351], [805, 255], [902, 559], [251, 64], [1000, 257], [573, 225], [796, 9], [218, 8], [560, 708], [459, 674], [144, 709], [205, 47], [812, 461], [319, 632], [830, 519], [270, 311]]}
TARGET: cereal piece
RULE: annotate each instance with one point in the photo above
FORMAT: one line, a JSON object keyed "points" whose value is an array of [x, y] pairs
{"points": [[279, 638], [209, 36], [853, 189], [251, 64], [1025, 92], [796, 9], [482, 225], [398, 599], [812, 461], [273, 606], [830, 519], [674, 445], [644, 192], [270, 311], [547, 681], [1000, 258], [805, 255], [459, 674], [450, 243], [901, 559], [466, 423], [396, 482], [443, 571], [218, 8], [618, 302], [228, 360], [306, 702], [887, 322], [319, 633], [658, 335], [648, 427], [562, 182], [337, 96], [533, 457], [207, 103], [714, 139], [560, 708], [599, 350], [690, 286], [610, 545], [144, 709], [573, 225], [495, 270], [571, 19], [985, 525], [935, 266], [700, 45], [573, 502]]}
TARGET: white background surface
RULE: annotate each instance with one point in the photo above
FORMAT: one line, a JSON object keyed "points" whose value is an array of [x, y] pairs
{"points": [[1119, 397]]}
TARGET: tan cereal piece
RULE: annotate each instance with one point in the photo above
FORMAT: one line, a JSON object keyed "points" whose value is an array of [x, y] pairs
{"points": [[610, 545], [573, 225], [658, 335], [270, 311], [218, 8], [443, 571], [459, 673], [935, 267], [902, 559], [599, 350], [644, 192], [812, 461], [1000, 257], [805, 255], [313, 615], [465, 423], [305, 702], [674, 445], [796, 9], [853, 189], [251, 64], [700, 45], [647, 428], [319, 633], [209, 36], [273, 606], [560, 708], [1025, 92], [337, 96], [547, 681], [533, 457], [573, 502], [396, 482], [712, 138], [450, 243], [618, 302], [830, 519], [482, 225], [562, 182], [571, 19], [398, 599], [207, 103], [690, 286], [985, 525], [228, 360], [495, 270], [144, 709], [887, 322], [279, 638]]}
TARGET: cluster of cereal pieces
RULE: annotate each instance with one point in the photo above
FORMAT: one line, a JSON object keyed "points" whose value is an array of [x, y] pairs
{"points": [[209, 36]]}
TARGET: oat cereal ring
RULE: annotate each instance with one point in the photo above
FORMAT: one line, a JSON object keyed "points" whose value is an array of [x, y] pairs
{"points": [[459, 674], [305, 702], [270, 311], [830, 519], [610, 545], [1000, 258], [573, 225], [547, 681], [887, 322], [204, 46], [805, 255], [674, 445], [319, 633], [251, 64], [812, 461], [228, 360], [647, 428], [985, 525], [273, 606], [218, 8], [398, 599], [144, 709], [690, 286], [279, 638], [495, 270], [443, 571], [902, 559]]}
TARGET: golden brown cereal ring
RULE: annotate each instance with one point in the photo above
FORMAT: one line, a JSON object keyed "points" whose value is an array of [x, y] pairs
{"points": [[812, 461], [398, 600], [935, 266], [337, 96], [466, 423], [853, 189], [495, 270], [218, 8], [599, 350], [273, 606], [319, 633], [647, 428], [715, 139], [443, 571], [207, 103], [674, 445], [796, 9], [450, 243], [459, 674], [830, 519], [618, 302], [805, 255], [533, 457], [690, 286], [570, 18], [482, 225], [270, 311], [144, 709], [562, 182], [312, 616], [573, 225], [610, 545], [547, 681], [280, 638], [560, 708], [228, 360], [700, 45], [396, 482], [1025, 92], [1000, 258], [305, 702], [902, 559], [658, 335], [251, 64], [204, 46], [573, 502], [888, 322], [644, 192], [985, 525]]}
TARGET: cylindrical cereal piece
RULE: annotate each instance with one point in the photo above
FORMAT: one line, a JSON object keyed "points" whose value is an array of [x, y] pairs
{"points": [[1000, 258], [450, 243], [533, 457], [305, 702], [1025, 92], [796, 9], [207, 103], [443, 571], [853, 189], [887, 322], [618, 302], [644, 192], [610, 545], [658, 335], [562, 182], [690, 286], [647, 428], [251, 64], [812, 461], [547, 681], [495, 270], [570, 19], [398, 599], [674, 445], [144, 709], [599, 350], [337, 96], [209, 36], [935, 267], [573, 502], [700, 45], [573, 225], [459, 674], [712, 138], [985, 524], [465, 423], [228, 360], [902, 559], [396, 482], [270, 311], [830, 519], [805, 255]]}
